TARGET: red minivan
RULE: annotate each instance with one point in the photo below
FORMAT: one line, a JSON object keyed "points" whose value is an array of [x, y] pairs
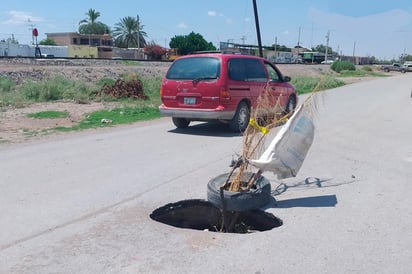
{"points": [[222, 87]]}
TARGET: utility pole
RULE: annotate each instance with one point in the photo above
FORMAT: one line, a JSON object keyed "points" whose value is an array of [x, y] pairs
{"points": [[299, 41], [353, 53], [327, 46], [31, 29], [257, 28]]}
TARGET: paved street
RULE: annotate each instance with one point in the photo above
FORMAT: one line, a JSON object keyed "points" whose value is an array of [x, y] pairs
{"points": [[81, 203]]}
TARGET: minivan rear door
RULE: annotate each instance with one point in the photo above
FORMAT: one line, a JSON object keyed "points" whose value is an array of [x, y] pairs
{"points": [[191, 83]]}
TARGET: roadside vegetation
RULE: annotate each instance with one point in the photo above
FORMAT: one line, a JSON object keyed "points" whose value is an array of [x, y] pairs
{"points": [[129, 109], [343, 69]]}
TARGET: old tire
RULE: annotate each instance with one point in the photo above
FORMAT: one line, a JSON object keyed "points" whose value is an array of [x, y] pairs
{"points": [[239, 201], [180, 122], [240, 121]]}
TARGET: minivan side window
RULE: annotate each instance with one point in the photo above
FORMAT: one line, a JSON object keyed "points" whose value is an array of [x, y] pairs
{"points": [[246, 70], [237, 70], [273, 74], [255, 71]]}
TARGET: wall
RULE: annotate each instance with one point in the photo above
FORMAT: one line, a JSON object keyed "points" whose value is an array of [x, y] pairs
{"points": [[82, 51], [29, 50]]}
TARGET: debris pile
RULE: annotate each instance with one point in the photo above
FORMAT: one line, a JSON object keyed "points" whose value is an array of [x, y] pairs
{"points": [[125, 89]]}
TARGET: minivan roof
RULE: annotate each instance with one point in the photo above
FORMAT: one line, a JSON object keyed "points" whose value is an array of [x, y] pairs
{"points": [[220, 55]]}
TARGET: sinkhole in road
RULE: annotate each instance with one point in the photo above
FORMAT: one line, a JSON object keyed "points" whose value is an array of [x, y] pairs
{"points": [[203, 215]]}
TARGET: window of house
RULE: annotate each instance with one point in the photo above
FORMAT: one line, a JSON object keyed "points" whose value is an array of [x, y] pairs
{"points": [[84, 41], [95, 42]]}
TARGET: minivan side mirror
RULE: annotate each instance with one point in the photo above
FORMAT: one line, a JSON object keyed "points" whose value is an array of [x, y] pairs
{"points": [[287, 78]]}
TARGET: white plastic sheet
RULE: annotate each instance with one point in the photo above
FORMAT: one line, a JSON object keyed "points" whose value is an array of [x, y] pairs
{"points": [[285, 154]]}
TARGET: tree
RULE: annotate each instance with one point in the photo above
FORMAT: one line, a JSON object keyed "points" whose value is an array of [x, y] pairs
{"points": [[129, 33], [190, 43], [91, 26], [154, 51], [281, 48], [322, 48], [47, 42]]}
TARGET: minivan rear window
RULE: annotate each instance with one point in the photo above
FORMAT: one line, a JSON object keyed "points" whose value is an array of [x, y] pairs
{"points": [[194, 68]]}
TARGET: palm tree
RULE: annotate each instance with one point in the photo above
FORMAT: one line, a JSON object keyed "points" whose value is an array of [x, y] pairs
{"points": [[90, 25], [92, 16], [129, 33]]}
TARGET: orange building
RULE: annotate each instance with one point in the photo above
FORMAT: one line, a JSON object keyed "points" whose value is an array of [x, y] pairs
{"points": [[103, 43]]}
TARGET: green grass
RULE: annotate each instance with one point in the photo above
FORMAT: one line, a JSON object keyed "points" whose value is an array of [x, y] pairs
{"points": [[117, 116], [128, 110], [50, 114], [307, 84], [55, 89], [361, 73]]}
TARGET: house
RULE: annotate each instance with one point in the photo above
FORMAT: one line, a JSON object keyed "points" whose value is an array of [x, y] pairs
{"points": [[84, 45]]}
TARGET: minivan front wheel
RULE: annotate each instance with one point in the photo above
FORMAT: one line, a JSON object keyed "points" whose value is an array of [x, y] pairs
{"points": [[241, 119], [180, 122], [291, 105]]}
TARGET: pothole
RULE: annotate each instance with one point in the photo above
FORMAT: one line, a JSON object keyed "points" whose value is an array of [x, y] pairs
{"points": [[203, 215]]}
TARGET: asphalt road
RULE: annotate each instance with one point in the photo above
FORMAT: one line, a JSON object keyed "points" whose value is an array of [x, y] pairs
{"points": [[81, 203]]}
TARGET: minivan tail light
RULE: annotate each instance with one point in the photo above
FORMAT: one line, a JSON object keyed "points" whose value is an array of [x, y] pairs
{"points": [[224, 94]]}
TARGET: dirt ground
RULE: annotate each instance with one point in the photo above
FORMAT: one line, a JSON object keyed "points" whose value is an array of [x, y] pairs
{"points": [[16, 127]]}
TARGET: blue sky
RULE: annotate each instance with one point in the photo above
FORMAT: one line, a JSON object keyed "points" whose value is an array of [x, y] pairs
{"points": [[379, 28]]}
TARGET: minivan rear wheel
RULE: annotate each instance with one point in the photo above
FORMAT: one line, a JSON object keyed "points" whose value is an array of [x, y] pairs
{"points": [[241, 119], [181, 122]]}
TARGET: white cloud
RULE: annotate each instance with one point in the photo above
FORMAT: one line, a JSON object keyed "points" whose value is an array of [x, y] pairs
{"points": [[21, 17], [212, 13], [182, 26]]}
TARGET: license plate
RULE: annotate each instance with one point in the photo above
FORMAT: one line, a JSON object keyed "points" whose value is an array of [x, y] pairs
{"points": [[189, 100]]}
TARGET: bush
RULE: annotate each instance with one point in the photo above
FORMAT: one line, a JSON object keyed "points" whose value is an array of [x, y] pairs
{"points": [[105, 81], [6, 84], [155, 52], [339, 66], [57, 88], [367, 68]]}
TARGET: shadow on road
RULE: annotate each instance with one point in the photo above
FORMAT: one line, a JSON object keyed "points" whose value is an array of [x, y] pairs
{"points": [[310, 182], [207, 129], [316, 201]]}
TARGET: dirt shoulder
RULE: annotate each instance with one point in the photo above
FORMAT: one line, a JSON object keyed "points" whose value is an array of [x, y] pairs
{"points": [[16, 127]]}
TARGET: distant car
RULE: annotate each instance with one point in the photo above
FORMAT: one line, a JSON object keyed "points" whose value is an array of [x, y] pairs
{"points": [[393, 67], [222, 87], [47, 55], [327, 62], [407, 67]]}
